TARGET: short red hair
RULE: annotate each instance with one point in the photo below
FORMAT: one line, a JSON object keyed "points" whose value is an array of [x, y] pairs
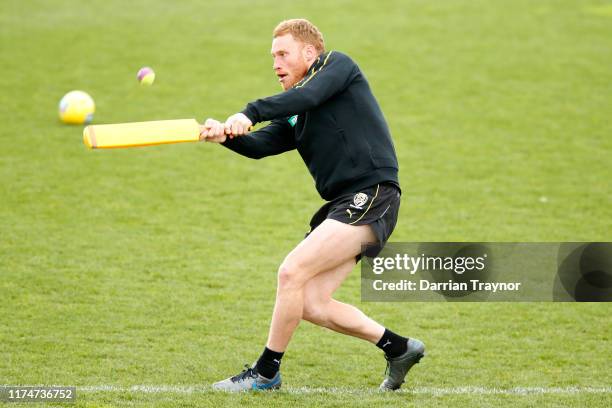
{"points": [[302, 30]]}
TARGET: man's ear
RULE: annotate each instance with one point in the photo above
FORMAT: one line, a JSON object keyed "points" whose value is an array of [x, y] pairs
{"points": [[309, 52]]}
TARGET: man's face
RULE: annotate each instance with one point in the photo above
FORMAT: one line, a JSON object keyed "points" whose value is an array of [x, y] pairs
{"points": [[291, 59]]}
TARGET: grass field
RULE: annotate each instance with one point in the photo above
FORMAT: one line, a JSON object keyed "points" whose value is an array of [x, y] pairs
{"points": [[156, 267]]}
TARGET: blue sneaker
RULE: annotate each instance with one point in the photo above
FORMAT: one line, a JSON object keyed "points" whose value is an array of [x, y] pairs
{"points": [[248, 380]]}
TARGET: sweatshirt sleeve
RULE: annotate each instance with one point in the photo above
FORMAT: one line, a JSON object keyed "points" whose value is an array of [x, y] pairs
{"points": [[327, 78], [273, 139]]}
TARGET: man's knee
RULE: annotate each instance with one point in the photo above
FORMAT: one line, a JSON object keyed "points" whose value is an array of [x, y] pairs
{"points": [[291, 275]]}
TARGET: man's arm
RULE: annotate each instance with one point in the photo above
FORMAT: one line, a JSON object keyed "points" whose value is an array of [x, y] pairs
{"points": [[270, 140], [332, 75]]}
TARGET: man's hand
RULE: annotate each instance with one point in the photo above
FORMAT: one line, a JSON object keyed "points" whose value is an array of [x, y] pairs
{"points": [[212, 131], [237, 125]]}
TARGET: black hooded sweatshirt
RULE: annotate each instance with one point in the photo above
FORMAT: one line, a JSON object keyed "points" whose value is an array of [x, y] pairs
{"points": [[332, 118]]}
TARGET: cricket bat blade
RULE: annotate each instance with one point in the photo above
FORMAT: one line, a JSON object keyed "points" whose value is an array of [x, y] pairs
{"points": [[135, 134]]}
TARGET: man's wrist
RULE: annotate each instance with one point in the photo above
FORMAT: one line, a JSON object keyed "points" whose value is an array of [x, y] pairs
{"points": [[251, 114]]}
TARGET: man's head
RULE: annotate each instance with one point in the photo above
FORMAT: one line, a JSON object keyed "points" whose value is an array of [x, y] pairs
{"points": [[296, 45]]}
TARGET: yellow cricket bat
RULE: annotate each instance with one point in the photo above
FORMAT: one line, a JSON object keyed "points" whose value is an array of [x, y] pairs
{"points": [[141, 133]]}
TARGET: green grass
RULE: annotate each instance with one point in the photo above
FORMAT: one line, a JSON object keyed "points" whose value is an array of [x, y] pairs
{"points": [[157, 266]]}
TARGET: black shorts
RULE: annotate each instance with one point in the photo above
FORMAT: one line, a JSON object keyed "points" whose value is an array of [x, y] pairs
{"points": [[377, 206]]}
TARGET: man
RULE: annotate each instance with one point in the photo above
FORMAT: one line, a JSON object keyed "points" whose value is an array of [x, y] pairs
{"points": [[328, 113]]}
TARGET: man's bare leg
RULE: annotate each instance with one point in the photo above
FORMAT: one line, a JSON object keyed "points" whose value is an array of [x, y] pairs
{"points": [[321, 309], [306, 281], [329, 246]]}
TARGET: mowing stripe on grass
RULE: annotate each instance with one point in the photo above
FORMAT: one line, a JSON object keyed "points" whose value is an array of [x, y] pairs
{"points": [[433, 391]]}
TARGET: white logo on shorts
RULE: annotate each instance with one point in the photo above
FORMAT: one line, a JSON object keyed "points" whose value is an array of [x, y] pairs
{"points": [[359, 200]]}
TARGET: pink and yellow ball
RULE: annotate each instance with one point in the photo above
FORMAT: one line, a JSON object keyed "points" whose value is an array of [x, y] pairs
{"points": [[146, 76]]}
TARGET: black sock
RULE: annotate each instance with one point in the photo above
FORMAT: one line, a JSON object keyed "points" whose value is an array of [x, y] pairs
{"points": [[392, 344], [269, 363]]}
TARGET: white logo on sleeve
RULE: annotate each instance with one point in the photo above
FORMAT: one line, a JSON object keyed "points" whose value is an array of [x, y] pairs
{"points": [[359, 200]]}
